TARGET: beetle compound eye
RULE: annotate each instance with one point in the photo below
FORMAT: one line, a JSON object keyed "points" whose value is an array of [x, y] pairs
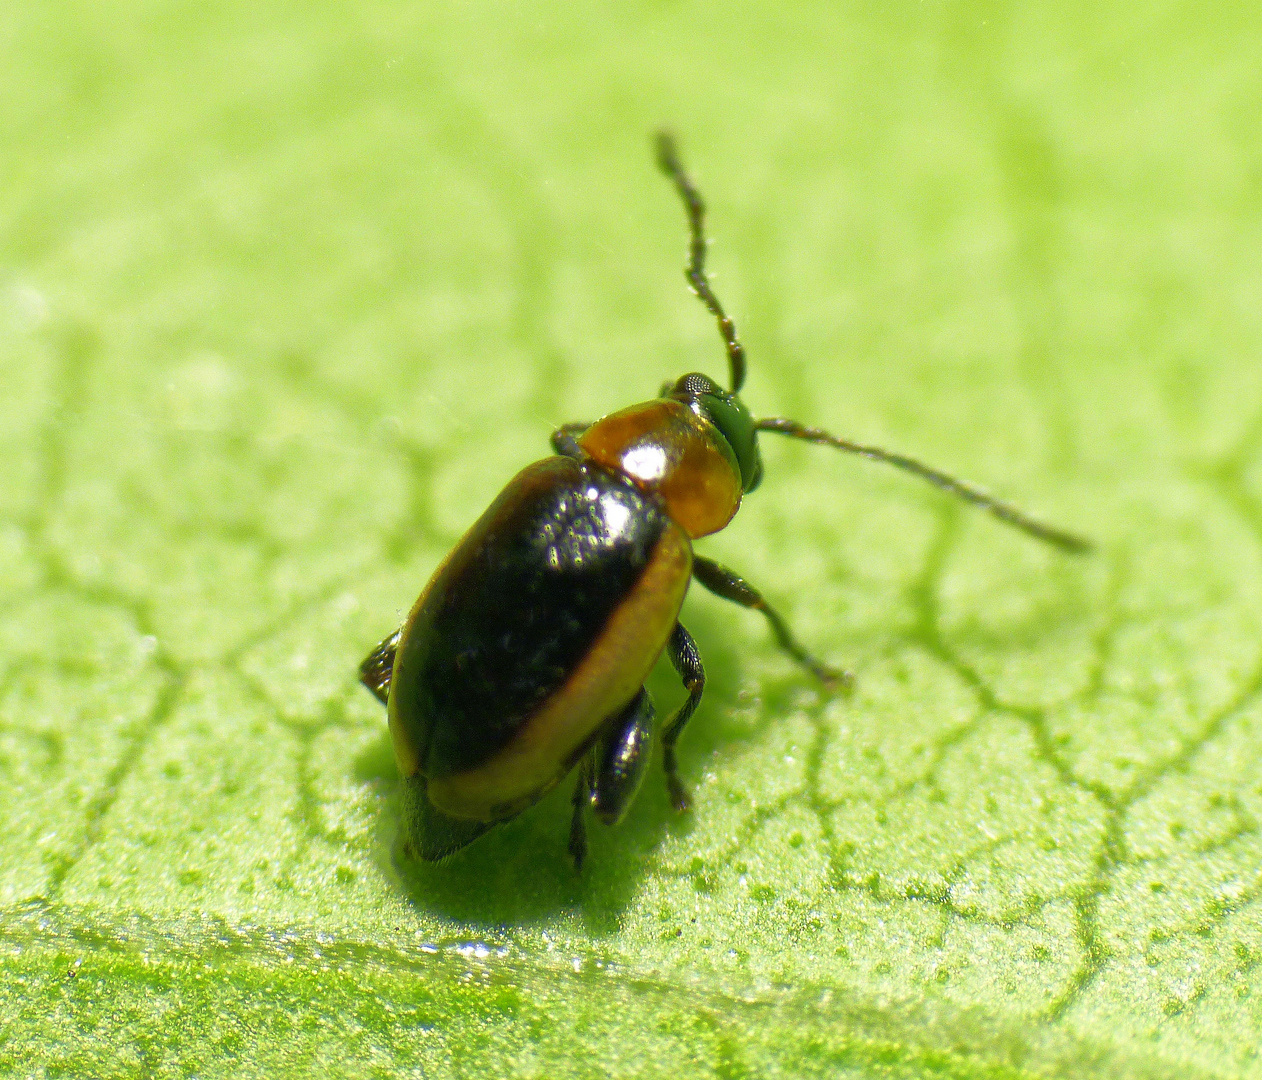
{"points": [[693, 386], [736, 424]]}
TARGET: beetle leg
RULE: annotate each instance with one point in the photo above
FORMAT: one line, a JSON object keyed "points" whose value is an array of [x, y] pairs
{"points": [[723, 582], [582, 796], [564, 441], [621, 755], [687, 661], [378, 666]]}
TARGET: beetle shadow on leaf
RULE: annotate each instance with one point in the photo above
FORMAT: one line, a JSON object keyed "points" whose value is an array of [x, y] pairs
{"points": [[520, 873]]}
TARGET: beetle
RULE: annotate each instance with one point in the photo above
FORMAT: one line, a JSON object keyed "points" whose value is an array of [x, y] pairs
{"points": [[525, 656]]}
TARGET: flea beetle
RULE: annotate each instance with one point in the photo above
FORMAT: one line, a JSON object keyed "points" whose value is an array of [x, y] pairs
{"points": [[524, 658]]}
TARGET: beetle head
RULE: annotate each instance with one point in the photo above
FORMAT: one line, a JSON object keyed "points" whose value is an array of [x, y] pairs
{"points": [[730, 418]]}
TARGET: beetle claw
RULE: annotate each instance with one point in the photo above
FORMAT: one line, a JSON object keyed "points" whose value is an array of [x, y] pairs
{"points": [[578, 842], [835, 680]]}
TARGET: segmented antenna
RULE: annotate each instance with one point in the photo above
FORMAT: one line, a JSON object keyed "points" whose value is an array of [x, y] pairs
{"points": [[1002, 510], [668, 161]]}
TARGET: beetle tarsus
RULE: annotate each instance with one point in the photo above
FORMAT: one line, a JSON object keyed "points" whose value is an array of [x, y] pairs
{"points": [[679, 797], [835, 680], [683, 654], [578, 827]]}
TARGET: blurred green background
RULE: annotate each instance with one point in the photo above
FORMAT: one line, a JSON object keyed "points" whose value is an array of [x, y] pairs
{"points": [[288, 291]]}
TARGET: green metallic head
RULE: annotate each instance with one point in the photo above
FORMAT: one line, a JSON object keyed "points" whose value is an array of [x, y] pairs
{"points": [[730, 417]]}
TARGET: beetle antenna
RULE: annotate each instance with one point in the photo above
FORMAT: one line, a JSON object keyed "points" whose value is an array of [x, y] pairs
{"points": [[668, 162], [1003, 511]]}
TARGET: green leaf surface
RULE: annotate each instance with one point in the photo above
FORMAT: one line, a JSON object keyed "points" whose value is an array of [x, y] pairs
{"points": [[288, 291]]}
